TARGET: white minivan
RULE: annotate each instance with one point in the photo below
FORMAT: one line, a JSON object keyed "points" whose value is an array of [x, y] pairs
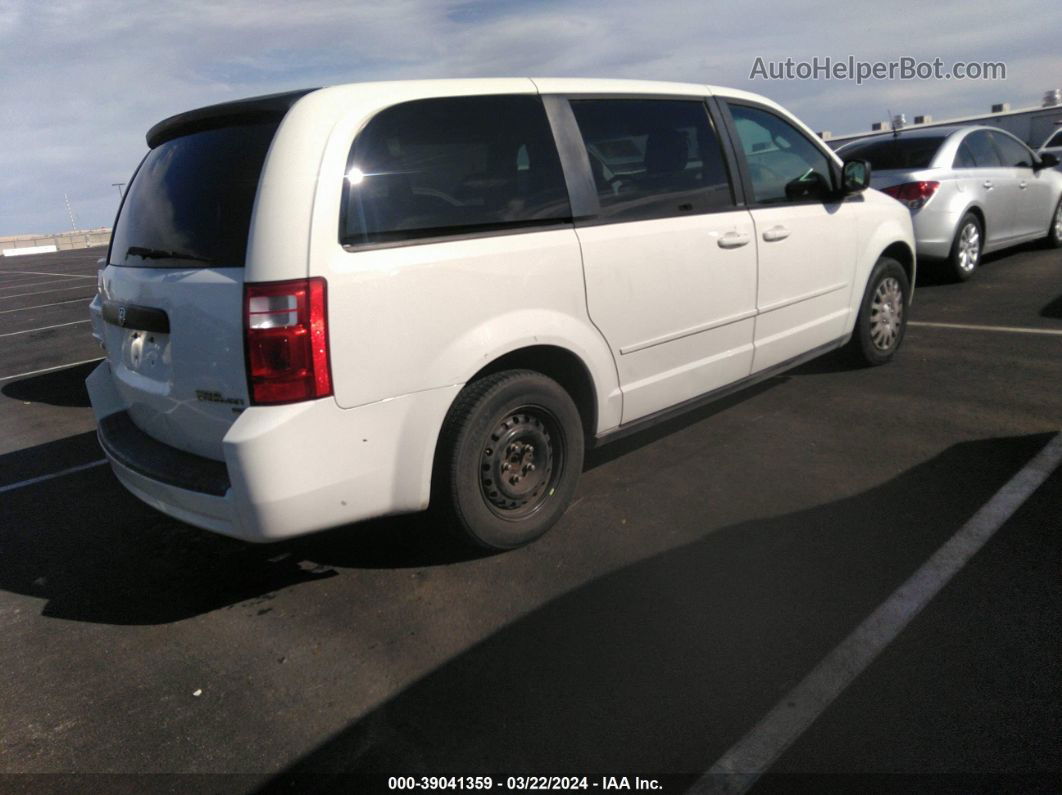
{"points": [[324, 306]]}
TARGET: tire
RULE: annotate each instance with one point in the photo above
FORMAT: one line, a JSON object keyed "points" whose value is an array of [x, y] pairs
{"points": [[882, 317], [1054, 231], [510, 457], [966, 249]]}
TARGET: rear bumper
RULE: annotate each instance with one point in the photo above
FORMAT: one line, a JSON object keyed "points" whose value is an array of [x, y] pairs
{"points": [[934, 231], [288, 470]]}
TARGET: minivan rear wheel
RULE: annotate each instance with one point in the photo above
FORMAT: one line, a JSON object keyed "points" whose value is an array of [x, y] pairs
{"points": [[511, 454], [882, 318], [966, 248]]}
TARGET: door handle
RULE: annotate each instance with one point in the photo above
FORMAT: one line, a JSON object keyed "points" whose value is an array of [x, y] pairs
{"points": [[776, 233], [988, 184], [734, 239], [1023, 184]]}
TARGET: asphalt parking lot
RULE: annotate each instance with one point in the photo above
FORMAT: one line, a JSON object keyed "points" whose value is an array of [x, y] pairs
{"points": [[703, 570]]}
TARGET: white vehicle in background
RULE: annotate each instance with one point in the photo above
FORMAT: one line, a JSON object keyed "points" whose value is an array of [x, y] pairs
{"points": [[971, 190], [330, 305]]}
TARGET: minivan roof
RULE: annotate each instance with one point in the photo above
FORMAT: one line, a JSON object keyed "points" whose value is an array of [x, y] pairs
{"points": [[274, 106]]}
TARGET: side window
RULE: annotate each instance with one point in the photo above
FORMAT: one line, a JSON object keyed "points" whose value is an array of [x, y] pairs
{"points": [[452, 166], [1013, 153], [984, 153], [964, 158], [653, 158], [783, 164], [1056, 140]]}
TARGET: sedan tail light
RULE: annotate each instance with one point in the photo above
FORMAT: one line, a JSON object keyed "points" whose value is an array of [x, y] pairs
{"points": [[913, 194], [286, 328]]}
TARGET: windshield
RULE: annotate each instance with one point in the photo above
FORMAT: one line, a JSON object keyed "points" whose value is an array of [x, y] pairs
{"points": [[190, 203], [892, 153]]}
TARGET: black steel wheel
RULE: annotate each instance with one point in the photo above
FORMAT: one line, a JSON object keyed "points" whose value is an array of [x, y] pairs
{"points": [[510, 458]]}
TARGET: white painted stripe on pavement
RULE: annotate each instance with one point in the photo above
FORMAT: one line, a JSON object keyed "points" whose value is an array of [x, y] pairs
{"points": [[44, 273], [44, 328], [49, 369], [44, 292], [971, 327], [737, 770], [87, 299], [42, 478], [5, 286]]}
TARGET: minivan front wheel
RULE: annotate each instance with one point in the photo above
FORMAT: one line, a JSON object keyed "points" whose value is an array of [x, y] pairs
{"points": [[882, 318], [511, 454]]}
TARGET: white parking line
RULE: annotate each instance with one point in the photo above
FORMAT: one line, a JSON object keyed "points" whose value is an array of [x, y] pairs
{"points": [[43, 292], [44, 328], [85, 298], [43, 273], [49, 369], [739, 768], [5, 286], [42, 478], [970, 327]]}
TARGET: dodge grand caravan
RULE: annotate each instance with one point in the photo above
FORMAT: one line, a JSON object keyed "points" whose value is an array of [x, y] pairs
{"points": [[324, 306]]}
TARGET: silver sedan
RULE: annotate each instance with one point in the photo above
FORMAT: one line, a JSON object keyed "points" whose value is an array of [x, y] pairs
{"points": [[970, 190]]}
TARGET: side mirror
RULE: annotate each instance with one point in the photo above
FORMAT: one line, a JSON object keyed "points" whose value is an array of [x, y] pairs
{"points": [[855, 177], [1047, 160]]}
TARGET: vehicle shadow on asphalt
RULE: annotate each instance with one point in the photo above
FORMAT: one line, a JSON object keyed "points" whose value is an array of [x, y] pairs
{"points": [[661, 665], [93, 552], [64, 387], [1053, 308]]}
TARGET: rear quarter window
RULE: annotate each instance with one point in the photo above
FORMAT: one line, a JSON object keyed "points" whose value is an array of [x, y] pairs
{"points": [[452, 166], [191, 200]]}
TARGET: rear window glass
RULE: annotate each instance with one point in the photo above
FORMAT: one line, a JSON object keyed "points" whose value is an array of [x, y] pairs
{"points": [[452, 166], [190, 203], [892, 153]]}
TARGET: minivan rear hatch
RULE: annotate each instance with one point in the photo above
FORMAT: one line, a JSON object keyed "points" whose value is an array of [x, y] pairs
{"points": [[172, 291]]}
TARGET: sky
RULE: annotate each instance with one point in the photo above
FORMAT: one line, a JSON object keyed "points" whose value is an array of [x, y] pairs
{"points": [[81, 81]]}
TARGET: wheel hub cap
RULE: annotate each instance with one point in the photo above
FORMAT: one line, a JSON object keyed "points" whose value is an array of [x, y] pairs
{"points": [[886, 314]]}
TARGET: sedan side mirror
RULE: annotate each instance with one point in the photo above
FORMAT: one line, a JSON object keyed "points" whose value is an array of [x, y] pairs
{"points": [[855, 178], [1047, 160]]}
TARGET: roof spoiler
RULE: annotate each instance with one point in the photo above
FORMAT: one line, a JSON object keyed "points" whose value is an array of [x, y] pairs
{"points": [[270, 107]]}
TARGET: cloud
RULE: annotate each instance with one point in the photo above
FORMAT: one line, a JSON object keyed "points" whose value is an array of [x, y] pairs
{"points": [[82, 81]]}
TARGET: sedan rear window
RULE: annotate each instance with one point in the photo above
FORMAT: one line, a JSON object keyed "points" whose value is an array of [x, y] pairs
{"points": [[895, 153], [190, 203]]}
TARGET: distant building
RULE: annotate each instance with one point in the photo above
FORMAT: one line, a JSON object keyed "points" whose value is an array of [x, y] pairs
{"points": [[1032, 124]]}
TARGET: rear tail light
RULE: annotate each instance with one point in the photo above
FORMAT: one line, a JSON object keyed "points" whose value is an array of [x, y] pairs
{"points": [[286, 327], [913, 194]]}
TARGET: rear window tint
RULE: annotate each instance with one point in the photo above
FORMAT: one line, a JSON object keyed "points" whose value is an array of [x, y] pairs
{"points": [[190, 203], [452, 166], [896, 153]]}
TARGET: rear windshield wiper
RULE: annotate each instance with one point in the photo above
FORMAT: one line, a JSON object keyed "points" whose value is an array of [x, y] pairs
{"points": [[161, 253]]}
